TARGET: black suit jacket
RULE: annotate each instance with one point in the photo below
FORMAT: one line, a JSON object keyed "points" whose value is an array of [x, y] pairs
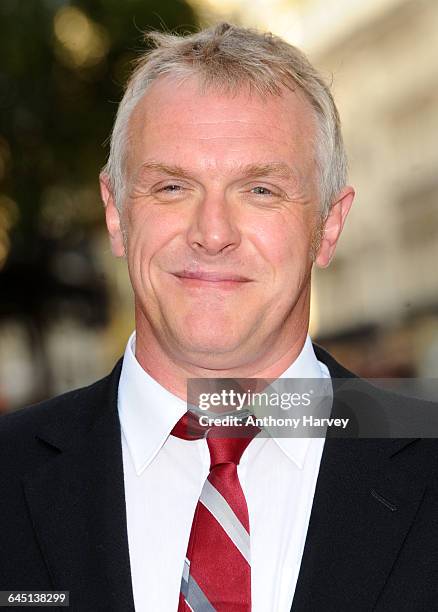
{"points": [[372, 542]]}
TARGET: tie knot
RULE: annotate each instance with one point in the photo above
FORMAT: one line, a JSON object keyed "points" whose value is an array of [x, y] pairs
{"points": [[226, 444], [228, 450]]}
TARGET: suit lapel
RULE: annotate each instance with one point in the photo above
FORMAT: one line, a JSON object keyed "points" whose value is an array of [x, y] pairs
{"points": [[77, 504], [367, 494]]}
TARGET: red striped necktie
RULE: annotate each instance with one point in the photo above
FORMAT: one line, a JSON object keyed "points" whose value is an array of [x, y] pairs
{"points": [[217, 568]]}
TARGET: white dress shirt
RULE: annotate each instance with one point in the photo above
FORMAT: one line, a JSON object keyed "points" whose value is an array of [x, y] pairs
{"points": [[164, 476]]}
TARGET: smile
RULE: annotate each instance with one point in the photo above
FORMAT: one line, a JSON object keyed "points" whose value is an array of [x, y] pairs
{"points": [[210, 280]]}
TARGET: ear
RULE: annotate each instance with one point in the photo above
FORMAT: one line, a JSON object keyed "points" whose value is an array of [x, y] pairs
{"points": [[112, 216], [333, 226]]}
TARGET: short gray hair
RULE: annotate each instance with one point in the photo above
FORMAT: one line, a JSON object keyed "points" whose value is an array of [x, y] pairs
{"points": [[229, 57]]}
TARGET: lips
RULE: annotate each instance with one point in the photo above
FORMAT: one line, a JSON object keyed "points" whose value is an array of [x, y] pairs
{"points": [[216, 277]]}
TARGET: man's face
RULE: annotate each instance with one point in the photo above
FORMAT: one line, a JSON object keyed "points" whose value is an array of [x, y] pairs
{"points": [[220, 210]]}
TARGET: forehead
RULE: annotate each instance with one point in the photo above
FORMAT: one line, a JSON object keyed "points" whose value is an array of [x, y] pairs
{"points": [[175, 119]]}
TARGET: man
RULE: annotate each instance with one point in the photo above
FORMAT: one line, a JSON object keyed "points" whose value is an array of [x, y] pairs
{"points": [[226, 182]]}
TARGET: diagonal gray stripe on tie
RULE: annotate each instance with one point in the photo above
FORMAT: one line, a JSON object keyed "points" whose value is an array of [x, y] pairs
{"points": [[194, 596], [219, 508], [185, 577]]}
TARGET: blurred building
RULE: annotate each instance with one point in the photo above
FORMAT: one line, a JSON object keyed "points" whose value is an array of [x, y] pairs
{"points": [[377, 304]]}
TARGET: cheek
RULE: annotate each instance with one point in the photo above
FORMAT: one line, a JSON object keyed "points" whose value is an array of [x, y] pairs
{"points": [[149, 227], [283, 242], [144, 237]]}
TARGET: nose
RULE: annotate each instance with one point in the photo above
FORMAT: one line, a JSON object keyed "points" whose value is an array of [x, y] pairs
{"points": [[213, 229]]}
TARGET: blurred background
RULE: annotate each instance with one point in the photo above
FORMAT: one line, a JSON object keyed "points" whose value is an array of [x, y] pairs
{"points": [[66, 303]]}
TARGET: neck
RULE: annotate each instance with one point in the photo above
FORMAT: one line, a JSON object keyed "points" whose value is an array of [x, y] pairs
{"points": [[172, 371]]}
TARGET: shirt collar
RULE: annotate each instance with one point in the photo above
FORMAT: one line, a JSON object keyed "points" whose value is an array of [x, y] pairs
{"points": [[306, 365], [148, 411]]}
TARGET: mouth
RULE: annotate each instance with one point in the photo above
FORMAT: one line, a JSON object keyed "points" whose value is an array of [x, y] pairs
{"points": [[219, 280]]}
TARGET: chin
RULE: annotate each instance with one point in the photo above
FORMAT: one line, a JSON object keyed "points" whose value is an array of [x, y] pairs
{"points": [[214, 346], [212, 341]]}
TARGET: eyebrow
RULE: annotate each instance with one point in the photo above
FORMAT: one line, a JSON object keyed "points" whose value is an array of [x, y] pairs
{"points": [[272, 168], [163, 168], [279, 169]]}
